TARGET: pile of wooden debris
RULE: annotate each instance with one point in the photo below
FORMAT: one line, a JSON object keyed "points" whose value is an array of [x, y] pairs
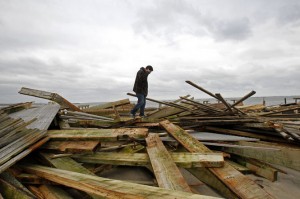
{"points": [[61, 150]]}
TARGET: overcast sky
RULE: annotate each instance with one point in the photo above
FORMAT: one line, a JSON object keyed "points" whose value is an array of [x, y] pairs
{"points": [[90, 50]]}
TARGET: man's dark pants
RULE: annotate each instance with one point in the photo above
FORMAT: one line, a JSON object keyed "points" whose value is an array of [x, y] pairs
{"points": [[140, 105]]}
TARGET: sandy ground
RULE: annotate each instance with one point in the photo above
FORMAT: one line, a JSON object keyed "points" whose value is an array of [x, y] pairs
{"points": [[286, 187]]}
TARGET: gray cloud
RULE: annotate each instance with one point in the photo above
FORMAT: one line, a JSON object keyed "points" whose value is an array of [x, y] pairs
{"points": [[90, 52]]}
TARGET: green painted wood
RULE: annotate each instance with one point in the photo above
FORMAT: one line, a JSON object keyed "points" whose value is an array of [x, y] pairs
{"points": [[107, 187]]}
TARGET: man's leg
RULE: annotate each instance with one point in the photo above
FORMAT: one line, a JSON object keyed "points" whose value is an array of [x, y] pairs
{"points": [[142, 109], [141, 101]]}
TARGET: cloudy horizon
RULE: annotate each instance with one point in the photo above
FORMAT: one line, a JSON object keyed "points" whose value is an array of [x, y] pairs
{"points": [[90, 51]]}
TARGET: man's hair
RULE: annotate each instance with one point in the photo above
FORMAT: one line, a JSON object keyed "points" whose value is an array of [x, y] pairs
{"points": [[149, 67]]}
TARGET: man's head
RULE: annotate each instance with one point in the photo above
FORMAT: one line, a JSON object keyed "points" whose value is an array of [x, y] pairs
{"points": [[149, 69]]}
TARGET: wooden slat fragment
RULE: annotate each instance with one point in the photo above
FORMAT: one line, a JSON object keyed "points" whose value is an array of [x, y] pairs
{"points": [[107, 187], [165, 170], [185, 160], [241, 185], [99, 134]]}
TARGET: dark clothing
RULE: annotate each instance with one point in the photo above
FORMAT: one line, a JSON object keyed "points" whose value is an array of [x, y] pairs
{"points": [[141, 82], [141, 89], [140, 105]]}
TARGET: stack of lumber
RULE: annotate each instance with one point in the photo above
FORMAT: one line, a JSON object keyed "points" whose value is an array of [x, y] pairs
{"points": [[75, 148]]}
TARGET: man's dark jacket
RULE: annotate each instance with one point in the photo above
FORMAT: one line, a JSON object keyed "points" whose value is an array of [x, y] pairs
{"points": [[141, 82]]}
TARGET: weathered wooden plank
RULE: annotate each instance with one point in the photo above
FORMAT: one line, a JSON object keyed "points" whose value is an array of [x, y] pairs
{"points": [[262, 170], [286, 156], [44, 116], [108, 105], [239, 167], [67, 164], [107, 187], [242, 133], [99, 134], [53, 192], [12, 189], [165, 170], [16, 107], [241, 185], [50, 96], [185, 160], [71, 146]]}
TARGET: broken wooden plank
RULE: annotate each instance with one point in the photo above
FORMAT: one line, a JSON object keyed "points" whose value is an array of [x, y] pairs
{"points": [[65, 104], [108, 105], [243, 133], [165, 170], [12, 188], [106, 187], [98, 134], [44, 116], [22, 154], [67, 164], [16, 107], [285, 156], [185, 160], [71, 146], [241, 185]]}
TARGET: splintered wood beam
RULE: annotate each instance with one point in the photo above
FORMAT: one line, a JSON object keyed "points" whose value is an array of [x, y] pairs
{"points": [[239, 184], [98, 134], [219, 96], [108, 105], [285, 156], [165, 170], [107, 188], [49, 96], [67, 164], [185, 160]]}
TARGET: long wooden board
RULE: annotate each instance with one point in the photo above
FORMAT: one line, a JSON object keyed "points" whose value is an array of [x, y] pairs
{"points": [[285, 156], [107, 187], [184, 160], [99, 134], [165, 170], [239, 184]]}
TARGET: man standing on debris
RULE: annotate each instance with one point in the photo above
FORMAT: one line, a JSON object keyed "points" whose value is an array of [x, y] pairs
{"points": [[141, 89]]}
